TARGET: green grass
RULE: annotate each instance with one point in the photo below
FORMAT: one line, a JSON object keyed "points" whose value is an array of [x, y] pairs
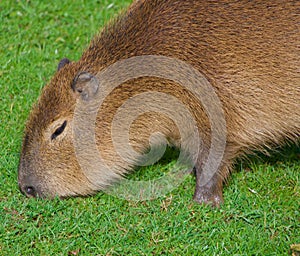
{"points": [[261, 214]]}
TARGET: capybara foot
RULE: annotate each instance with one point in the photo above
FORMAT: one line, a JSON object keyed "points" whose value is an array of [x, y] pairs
{"points": [[205, 195]]}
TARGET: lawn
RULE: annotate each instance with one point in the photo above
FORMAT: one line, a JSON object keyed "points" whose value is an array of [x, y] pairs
{"points": [[261, 213]]}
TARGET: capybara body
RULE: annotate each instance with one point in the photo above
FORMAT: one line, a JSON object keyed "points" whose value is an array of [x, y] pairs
{"points": [[247, 50]]}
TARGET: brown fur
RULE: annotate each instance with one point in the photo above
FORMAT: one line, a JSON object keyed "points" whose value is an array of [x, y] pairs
{"points": [[248, 51]]}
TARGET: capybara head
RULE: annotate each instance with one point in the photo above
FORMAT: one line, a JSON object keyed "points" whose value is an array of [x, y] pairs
{"points": [[48, 165]]}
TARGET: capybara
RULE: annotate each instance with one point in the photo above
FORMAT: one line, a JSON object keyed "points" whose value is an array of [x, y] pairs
{"points": [[248, 51]]}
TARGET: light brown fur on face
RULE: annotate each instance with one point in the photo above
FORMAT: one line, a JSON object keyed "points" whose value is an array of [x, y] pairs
{"points": [[247, 50]]}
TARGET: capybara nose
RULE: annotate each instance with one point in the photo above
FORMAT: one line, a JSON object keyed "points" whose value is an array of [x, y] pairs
{"points": [[28, 191]]}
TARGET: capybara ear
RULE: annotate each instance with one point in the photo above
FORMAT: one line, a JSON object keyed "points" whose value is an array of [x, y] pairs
{"points": [[62, 63], [86, 85]]}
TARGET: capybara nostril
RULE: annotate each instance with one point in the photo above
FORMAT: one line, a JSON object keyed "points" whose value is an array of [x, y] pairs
{"points": [[30, 191]]}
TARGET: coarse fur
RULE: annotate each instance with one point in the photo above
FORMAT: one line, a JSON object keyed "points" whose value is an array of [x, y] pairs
{"points": [[247, 50]]}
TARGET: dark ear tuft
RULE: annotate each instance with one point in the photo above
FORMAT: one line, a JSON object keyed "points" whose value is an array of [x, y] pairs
{"points": [[62, 63], [86, 85]]}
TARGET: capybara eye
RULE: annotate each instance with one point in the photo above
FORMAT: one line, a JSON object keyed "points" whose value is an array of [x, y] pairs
{"points": [[59, 131]]}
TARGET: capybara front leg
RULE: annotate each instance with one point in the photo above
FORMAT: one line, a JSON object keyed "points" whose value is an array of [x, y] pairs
{"points": [[211, 191]]}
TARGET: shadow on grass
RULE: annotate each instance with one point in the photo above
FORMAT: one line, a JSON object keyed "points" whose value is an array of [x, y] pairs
{"points": [[158, 169], [289, 153], [282, 155]]}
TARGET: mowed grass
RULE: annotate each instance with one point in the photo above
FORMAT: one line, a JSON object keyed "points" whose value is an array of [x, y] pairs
{"points": [[261, 214]]}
